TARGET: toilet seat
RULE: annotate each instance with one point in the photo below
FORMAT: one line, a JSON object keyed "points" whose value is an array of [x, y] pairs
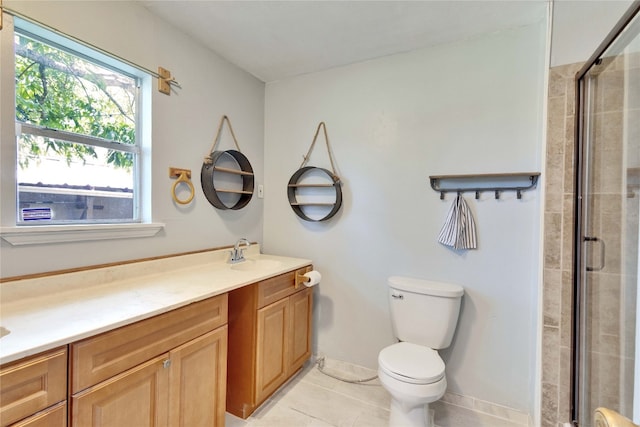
{"points": [[411, 363]]}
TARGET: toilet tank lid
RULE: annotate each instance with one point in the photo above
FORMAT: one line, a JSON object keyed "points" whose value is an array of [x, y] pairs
{"points": [[426, 287]]}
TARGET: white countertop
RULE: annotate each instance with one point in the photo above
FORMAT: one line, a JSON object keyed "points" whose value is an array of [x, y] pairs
{"points": [[44, 313]]}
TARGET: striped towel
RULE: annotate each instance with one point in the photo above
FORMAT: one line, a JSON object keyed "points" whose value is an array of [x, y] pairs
{"points": [[459, 230]]}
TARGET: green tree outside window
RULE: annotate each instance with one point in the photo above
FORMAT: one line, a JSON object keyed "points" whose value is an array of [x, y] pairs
{"points": [[63, 91]]}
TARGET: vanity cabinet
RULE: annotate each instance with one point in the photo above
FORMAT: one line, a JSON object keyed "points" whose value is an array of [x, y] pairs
{"points": [[269, 339], [169, 370], [34, 390]]}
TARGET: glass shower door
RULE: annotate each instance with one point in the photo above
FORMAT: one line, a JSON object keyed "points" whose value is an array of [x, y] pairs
{"points": [[608, 373]]}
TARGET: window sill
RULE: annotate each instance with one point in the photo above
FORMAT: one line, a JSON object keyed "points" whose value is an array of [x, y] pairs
{"points": [[37, 235]]}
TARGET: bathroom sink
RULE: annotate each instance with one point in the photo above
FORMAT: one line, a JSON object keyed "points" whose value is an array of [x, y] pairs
{"points": [[256, 264], [4, 331]]}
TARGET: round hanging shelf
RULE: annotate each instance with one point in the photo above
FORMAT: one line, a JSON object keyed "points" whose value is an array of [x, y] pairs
{"points": [[212, 171], [295, 184]]}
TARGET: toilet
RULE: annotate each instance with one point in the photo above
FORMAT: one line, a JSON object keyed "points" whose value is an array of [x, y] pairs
{"points": [[424, 315]]}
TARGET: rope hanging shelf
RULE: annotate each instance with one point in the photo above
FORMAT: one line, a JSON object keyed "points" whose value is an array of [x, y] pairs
{"points": [[213, 170], [330, 181], [496, 183]]}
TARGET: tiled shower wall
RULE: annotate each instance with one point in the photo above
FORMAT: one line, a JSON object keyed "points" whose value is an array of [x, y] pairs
{"points": [[614, 217], [558, 251]]}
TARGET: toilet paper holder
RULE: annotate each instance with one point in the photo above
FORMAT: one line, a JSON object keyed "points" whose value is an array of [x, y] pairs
{"points": [[300, 276]]}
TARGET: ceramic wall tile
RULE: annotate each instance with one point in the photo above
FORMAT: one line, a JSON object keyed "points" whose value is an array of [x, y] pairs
{"points": [[557, 84], [566, 309], [552, 243], [564, 389], [568, 177], [551, 295], [556, 124], [551, 354], [549, 415], [567, 233], [613, 89], [553, 202]]}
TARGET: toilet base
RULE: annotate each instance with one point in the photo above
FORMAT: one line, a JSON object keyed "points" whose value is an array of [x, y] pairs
{"points": [[418, 416]]}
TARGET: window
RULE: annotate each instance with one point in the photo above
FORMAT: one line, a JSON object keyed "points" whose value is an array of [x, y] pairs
{"points": [[78, 133]]}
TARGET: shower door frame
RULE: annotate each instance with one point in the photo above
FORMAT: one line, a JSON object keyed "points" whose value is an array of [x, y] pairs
{"points": [[578, 236]]}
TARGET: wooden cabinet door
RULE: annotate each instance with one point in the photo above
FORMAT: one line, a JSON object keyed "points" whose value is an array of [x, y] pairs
{"points": [[198, 380], [138, 397], [300, 329], [272, 348]]}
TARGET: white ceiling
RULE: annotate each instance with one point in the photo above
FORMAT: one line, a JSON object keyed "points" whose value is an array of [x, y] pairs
{"points": [[277, 39]]}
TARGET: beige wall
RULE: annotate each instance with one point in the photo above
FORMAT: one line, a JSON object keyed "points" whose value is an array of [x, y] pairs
{"points": [[392, 123]]}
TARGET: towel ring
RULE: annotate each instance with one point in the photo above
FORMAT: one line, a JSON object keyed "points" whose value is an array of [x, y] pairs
{"points": [[183, 177]]}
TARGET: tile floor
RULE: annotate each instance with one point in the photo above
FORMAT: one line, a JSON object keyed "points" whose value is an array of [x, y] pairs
{"points": [[312, 399]]}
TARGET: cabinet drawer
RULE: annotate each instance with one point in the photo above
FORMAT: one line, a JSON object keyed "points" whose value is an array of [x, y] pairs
{"points": [[101, 357], [31, 385], [276, 288], [55, 416]]}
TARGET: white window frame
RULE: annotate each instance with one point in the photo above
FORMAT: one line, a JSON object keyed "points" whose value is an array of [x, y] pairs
{"points": [[16, 234]]}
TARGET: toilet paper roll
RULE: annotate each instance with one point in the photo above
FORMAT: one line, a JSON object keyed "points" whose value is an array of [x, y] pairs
{"points": [[314, 278]]}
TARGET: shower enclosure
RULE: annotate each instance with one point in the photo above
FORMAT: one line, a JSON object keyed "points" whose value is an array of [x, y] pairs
{"points": [[606, 362]]}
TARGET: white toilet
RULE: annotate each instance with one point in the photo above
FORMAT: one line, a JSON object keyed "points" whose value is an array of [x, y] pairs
{"points": [[424, 315]]}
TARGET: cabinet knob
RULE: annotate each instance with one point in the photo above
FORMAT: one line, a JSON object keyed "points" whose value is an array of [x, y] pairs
{"points": [[166, 363]]}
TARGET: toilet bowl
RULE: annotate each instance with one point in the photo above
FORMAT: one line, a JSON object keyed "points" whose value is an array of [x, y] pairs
{"points": [[424, 315], [414, 377]]}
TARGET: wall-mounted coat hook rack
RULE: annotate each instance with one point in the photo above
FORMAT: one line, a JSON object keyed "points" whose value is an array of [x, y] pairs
{"points": [[518, 182]]}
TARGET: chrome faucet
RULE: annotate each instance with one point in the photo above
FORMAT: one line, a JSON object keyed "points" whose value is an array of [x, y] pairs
{"points": [[237, 254]]}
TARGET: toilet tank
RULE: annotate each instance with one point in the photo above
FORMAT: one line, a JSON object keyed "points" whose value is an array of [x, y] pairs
{"points": [[424, 312]]}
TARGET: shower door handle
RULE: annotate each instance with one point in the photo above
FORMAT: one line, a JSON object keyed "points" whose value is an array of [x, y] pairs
{"points": [[602, 252]]}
